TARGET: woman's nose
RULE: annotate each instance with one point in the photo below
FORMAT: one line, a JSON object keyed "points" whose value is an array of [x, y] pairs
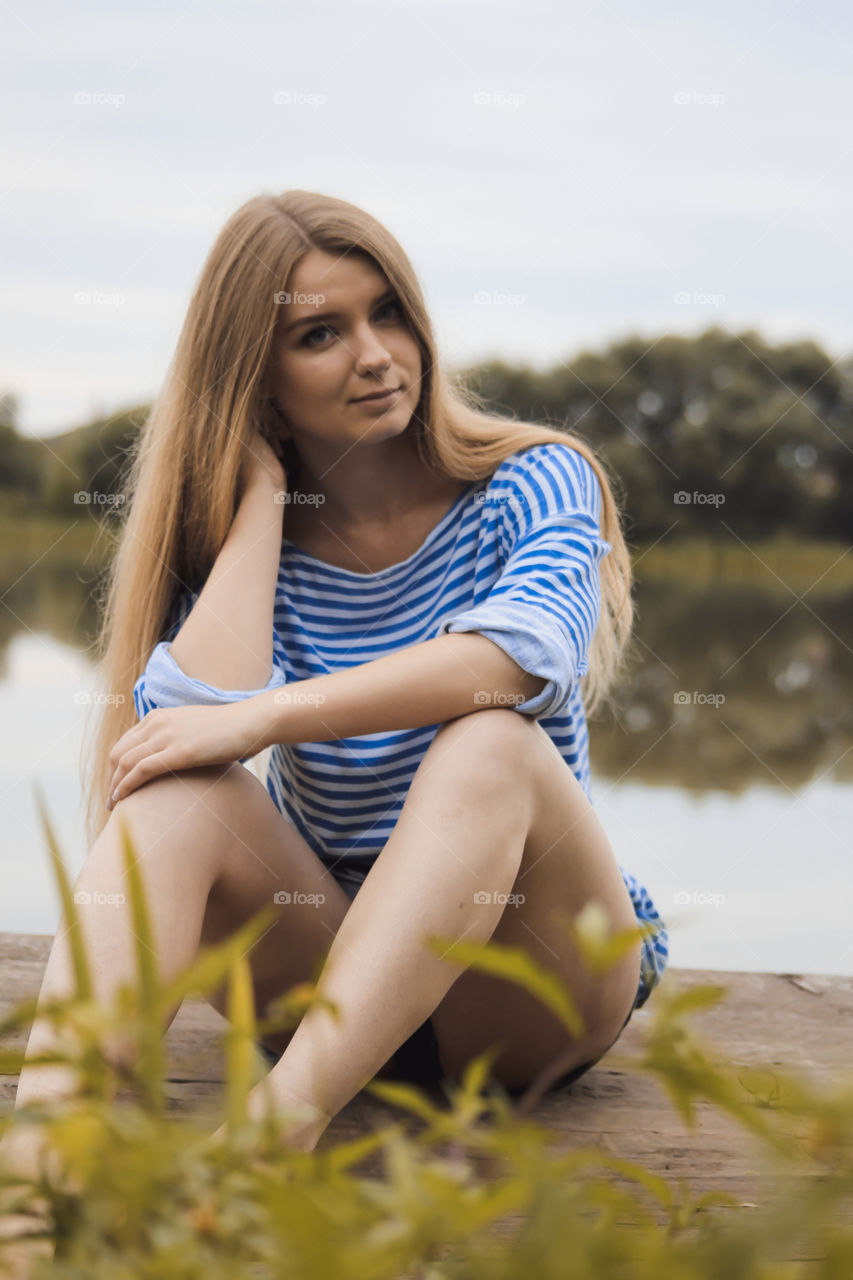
{"points": [[371, 354]]}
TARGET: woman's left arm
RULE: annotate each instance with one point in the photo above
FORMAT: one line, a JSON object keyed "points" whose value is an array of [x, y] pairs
{"points": [[525, 645], [424, 684]]}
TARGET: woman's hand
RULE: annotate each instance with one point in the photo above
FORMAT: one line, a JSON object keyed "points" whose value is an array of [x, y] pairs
{"points": [[264, 459], [170, 739]]}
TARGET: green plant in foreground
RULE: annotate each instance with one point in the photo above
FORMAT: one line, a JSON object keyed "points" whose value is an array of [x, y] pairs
{"points": [[469, 1188]]}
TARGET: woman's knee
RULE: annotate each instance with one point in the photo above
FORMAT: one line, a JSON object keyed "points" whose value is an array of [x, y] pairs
{"points": [[495, 747], [196, 808]]}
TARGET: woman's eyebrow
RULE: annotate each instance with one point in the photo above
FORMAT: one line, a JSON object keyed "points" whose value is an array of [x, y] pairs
{"points": [[334, 315]]}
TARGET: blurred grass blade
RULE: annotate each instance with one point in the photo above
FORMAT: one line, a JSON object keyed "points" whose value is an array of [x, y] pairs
{"points": [[76, 942], [590, 932], [516, 965], [240, 1042], [678, 1058], [478, 1071], [210, 968], [150, 1029], [94, 1072], [405, 1096]]}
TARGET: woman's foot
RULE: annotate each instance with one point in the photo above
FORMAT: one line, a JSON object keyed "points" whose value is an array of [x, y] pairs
{"points": [[24, 1154]]}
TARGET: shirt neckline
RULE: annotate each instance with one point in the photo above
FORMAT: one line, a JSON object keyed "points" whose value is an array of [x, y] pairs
{"points": [[431, 536]]}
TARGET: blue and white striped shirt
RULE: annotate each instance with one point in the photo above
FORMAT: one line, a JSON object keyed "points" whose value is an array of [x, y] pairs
{"points": [[516, 558]]}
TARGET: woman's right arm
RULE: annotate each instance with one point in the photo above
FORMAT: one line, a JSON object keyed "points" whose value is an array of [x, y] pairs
{"points": [[227, 639], [223, 638]]}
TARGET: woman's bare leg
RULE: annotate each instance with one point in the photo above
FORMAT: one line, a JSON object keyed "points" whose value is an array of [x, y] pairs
{"points": [[459, 831], [212, 850], [465, 829]]}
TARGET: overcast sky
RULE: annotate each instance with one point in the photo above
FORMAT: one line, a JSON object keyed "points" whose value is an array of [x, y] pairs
{"points": [[595, 170]]}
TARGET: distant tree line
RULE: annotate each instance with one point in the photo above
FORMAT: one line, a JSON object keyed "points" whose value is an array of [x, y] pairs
{"points": [[701, 435]]}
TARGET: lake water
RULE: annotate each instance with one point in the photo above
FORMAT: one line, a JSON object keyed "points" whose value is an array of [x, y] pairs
{"points": [[734, 810]]}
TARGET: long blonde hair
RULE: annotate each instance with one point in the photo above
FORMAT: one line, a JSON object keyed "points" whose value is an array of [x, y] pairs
{"points": [[185, 473]]}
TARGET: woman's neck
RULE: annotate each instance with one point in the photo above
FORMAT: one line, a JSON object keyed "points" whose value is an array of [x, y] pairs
{"points": [[372, 486]]}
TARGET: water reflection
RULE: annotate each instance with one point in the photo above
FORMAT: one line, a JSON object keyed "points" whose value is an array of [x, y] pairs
{"points": [[732, 687], [728, 687], [715, 776]]}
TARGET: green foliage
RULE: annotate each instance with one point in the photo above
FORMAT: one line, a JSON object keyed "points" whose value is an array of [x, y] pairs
{"points": [[768, 427], [467, 1189]]}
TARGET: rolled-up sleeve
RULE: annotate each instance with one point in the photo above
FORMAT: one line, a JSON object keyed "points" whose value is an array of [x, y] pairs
{"points": [[164, 684], [544, 606]]}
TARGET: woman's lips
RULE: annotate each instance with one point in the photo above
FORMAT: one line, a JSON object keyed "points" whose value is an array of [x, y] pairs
{"points": [[384, 398]]}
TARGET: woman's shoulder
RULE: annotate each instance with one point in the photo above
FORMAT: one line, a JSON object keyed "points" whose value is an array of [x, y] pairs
{"points": [[547, 478], [549, 455]]}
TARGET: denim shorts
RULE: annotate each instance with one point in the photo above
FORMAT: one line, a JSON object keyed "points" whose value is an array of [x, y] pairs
{"points": [[417, 1060]]}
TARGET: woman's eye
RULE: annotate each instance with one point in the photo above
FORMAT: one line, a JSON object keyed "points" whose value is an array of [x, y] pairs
{"points": [[320, 329], [325, 328]]}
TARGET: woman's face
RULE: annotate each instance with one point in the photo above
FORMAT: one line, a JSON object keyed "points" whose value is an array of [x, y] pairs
{"points": [[322, 366]]}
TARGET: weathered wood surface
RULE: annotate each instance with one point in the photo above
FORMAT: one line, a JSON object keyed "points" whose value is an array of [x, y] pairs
{"points": [[797, 1022]]}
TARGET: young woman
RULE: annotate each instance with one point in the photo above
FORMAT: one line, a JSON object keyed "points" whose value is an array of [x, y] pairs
{"points": [[332, 550]]}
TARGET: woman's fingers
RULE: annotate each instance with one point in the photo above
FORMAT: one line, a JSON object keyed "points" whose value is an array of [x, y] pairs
{"points": [[137, 767], [125, 760], [133, 738], [182, 738], [150, 766]]}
